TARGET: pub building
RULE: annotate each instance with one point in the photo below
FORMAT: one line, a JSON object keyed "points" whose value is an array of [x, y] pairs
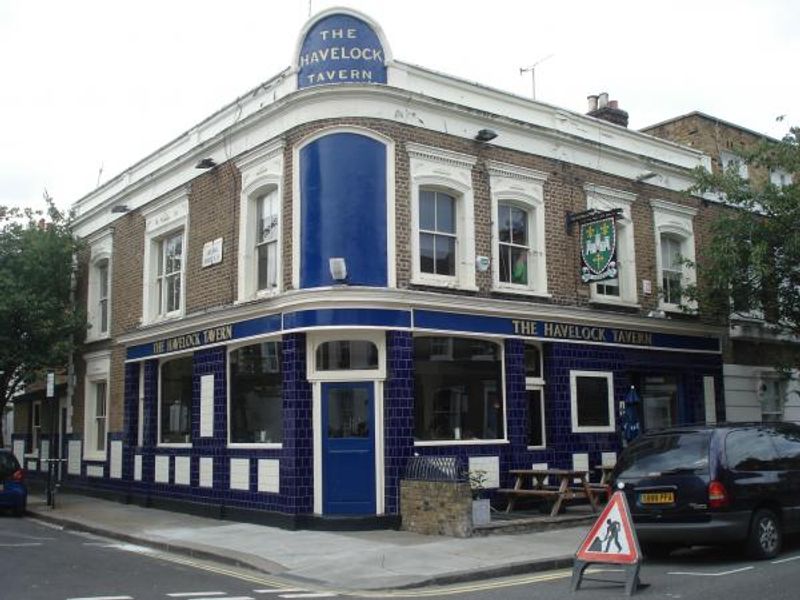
{"points": [[361, 261]]}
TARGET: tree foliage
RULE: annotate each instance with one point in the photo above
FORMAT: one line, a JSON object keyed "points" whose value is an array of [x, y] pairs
{"points": [[751, 265], [39, 324]]}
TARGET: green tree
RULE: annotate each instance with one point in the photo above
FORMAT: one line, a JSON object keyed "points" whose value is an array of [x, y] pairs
{"points": [[39, 324], [752, 262]]}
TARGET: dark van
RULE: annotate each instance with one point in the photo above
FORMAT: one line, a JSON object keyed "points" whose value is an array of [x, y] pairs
{"points": [[729, 483]]}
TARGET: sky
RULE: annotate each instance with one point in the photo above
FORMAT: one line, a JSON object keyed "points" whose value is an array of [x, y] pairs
{"points": [[88, 88]]}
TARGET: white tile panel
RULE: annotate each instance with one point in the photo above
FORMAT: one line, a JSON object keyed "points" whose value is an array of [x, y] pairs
{"points": [[162, 469], [580, 462], [74, 457], [95, 471], [183, 470], [116, 459], [609, 459], [541, 467], [45, 453], [19, 452], [269, 475], [240, 474], [491, 467], [206, 472], [207, 406], [137, 467]]}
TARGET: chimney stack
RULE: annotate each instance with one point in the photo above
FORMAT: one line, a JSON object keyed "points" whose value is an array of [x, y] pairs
{"points": [[601, 107]]}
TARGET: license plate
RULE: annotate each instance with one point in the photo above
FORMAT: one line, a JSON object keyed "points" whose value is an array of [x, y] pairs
{"points": [[657, 498]]}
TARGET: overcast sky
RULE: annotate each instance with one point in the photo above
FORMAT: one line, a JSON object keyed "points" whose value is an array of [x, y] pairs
{"points": [[87, 84]]}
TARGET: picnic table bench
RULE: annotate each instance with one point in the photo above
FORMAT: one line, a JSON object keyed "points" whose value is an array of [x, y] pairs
{"points": [[565, 491]]}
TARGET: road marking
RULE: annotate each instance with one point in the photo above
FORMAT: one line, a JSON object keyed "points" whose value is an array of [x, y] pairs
{"points": [[309, 595], [720, 574], [103, 598], [193, 594], [783, 560], [280, 590], [20, 544]]}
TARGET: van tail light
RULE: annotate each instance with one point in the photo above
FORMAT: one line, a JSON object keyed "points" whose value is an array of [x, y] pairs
{"points": [[717, 495], [18, 475]]}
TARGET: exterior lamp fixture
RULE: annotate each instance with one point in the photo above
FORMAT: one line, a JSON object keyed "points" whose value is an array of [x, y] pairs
{"points": [[338, 268], [646, 176], [486, 135], [206, 163], [120, 208]]}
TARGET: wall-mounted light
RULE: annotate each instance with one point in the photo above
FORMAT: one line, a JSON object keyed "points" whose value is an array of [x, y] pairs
{"points": [[206, 163], [120, 208], [482, 263], [646, 176], [486, 135], [338, 269]]}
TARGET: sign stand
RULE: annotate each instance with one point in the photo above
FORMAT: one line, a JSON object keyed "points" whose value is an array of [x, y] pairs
{"points": [[611, 541]]}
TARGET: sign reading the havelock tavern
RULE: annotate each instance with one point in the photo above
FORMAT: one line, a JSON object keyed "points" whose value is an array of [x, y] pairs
{"points": [[598, 250], [341, 49]]}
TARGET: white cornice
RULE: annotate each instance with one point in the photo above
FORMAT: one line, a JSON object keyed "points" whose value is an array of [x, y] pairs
{"points": [[677, 210], [501, 169], [260, 154], [455, 159], [610, 194]]}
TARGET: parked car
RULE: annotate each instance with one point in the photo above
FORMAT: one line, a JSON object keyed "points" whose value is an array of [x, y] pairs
{"points": [[13, 492], [724, 484]]}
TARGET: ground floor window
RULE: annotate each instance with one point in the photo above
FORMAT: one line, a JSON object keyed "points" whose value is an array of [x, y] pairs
{"points": [[592, 399], [536, 437], [256, 394], [458, 389], [659, 400], [176, 401], [36, 426]]}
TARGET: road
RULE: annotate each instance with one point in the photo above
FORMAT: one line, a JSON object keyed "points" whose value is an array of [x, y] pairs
{"points": [[42, 562]]}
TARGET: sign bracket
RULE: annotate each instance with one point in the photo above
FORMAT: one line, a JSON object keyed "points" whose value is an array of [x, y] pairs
{"points": [[590, 215]]}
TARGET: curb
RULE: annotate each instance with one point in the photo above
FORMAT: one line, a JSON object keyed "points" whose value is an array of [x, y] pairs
{"points": [[244, 561]]}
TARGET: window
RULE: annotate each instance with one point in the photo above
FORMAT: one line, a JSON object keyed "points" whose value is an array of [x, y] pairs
{"points": [[175, 406], [459, 397], [100, 408], [256, 394], [96, 405], [98, 302], [140, 409], [671, 269], [342, 355], [165, 247], [750, 450], [674, 252], [729, 160], [36, 426], [102, 300], [772, 394], [260, 209], [659, 401], [443, 236], [518, 228], [779, 178], [622, 289], [536, 436], [267, 240], [437, 233], [592, 398], [170, 268]]}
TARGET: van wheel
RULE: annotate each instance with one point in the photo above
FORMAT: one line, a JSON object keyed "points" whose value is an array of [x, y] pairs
{"points": [[765, 535]]}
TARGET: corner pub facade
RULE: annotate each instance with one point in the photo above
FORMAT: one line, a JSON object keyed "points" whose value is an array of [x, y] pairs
{"points": [[341, 270]]}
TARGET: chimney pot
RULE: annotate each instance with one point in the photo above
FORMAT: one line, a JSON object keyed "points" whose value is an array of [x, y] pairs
{"points": [[602, 100], [613, 104], [592, 102]]}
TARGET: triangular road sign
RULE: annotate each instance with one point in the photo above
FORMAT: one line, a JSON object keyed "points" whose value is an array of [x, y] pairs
{"points": [[612, 538]]}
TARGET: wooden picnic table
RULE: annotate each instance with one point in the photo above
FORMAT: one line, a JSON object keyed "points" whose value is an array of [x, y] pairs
{"points": [[565, 491]]}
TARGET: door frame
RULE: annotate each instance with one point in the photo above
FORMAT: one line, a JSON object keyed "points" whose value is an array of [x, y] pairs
{"points": [[375, 376]]}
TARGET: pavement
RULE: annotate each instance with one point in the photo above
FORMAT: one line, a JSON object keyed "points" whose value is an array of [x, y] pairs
{"points": [[353, 560]]}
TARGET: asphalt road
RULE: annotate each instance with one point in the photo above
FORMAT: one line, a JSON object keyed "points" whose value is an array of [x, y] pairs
{"points": [[40, 562]]}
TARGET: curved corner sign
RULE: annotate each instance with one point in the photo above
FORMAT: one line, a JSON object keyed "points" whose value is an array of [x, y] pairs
{"points": [[340, 49]]}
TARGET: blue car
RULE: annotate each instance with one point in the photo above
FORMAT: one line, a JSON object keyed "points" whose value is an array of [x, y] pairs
{"points": [[13, 492]]}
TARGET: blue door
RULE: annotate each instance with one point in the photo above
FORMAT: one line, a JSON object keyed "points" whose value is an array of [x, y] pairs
{"points": [[348, 449]]}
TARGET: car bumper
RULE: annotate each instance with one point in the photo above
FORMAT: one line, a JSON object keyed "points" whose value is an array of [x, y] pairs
{"points": [[13, 497], [723, 527]]}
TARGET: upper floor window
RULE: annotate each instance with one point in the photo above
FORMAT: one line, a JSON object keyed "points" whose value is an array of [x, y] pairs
{"points": [[267, 240], [675, 253], [170, 270], [99, 286], [518, 228], [165, 245], [102, 300], [443, 236], [621, 289], [729, 160], [437, 233], [780, 178], [260, 211]]}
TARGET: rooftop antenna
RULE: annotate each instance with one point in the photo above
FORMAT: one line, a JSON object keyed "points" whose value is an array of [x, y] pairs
{"points": [[99, 174], [309, 8], [532, 70]]}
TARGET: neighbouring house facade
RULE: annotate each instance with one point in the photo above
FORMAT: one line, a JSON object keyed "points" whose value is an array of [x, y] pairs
{"points": [[361, 261], [754, 389]]}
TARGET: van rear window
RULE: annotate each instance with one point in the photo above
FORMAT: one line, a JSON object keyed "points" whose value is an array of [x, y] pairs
{"points": [[675, 452]]}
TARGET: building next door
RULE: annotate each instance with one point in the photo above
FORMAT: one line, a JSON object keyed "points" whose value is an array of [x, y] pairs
{"points": [[348, 448]]}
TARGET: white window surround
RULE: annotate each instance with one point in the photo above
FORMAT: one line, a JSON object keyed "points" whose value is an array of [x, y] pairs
{"points": [[159, 443], [262, 172], [523, 188], [101, 247], [98, 369], [232, 348], [573, 386], [451, 172], [726, 158], [779, 177], [675, 220], [604, 198], [315, 339], [163, 218], [391, 236]]}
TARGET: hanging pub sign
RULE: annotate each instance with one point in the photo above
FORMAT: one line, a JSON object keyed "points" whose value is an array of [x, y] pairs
{"points": [[599, 250]]}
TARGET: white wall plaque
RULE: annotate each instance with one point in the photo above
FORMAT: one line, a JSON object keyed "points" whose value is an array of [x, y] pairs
{"points": [[206, 406], [212, 252]]}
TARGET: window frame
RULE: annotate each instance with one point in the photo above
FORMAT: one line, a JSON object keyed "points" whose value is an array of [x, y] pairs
{"points": [[521, 188], [164, 278], [231, 349], [98, 371], [676, 221], [159, 443], [603, 198], [726, 157], [316, 339], [36, 427], [435, 169], [101, 246], [573, 399], [437, 233]]}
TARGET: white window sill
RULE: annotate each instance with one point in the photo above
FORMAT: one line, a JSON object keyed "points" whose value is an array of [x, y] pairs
{"points": [[447, 283], [257, 446], [520, 291], [94, 456], [163, 318], [173, 445], [537, 447], [428, 443], [615, 302], [609, 429], [97, 338], [677, 309]]}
